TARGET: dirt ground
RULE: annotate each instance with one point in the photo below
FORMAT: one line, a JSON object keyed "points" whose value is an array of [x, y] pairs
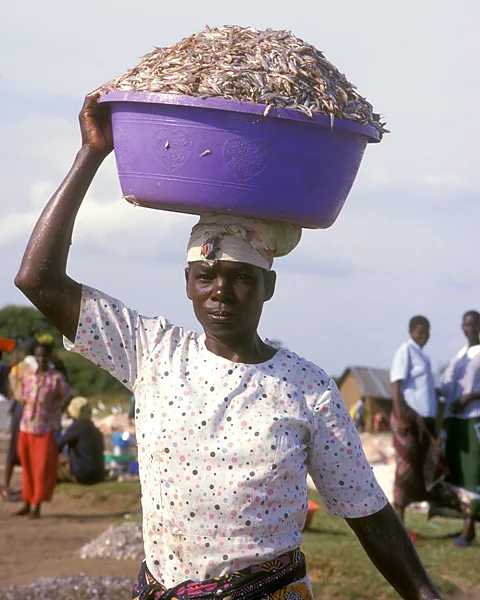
{"points": [[46, 548]]}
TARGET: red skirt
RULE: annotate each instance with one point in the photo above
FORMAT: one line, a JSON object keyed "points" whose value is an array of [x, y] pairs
{"points": [[38, 457]]}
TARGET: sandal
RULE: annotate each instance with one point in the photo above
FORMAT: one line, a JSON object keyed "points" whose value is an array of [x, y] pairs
{"points": [[5, 493], [23, 512], [457, 541]]}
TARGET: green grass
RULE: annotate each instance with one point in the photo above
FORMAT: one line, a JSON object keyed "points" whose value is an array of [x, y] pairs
{"points": [[338, 565], [135, 517], [101, 492]]}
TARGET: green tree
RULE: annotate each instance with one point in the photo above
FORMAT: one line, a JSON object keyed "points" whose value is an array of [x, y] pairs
{"points": [[85, 378], [25, 321]]}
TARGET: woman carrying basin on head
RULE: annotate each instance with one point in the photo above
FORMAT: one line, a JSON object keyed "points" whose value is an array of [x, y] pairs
{"points": [[227, 426]]}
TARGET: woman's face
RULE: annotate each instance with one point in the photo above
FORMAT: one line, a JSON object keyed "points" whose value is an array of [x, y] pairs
{"points": [[471, 328], [43, 357], [228, 297], [421, 334]]}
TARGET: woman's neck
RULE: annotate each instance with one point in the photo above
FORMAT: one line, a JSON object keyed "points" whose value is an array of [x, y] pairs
{"points": [[241, 350]]}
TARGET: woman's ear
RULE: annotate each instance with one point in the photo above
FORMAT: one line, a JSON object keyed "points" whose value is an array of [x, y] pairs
{"points": [[270, 281], [187, 278]]}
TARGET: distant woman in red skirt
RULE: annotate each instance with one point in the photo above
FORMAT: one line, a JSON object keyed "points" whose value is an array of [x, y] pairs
{"points": [[44, 390]]}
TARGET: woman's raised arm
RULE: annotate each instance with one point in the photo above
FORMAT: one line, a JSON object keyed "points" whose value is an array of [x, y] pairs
{"points": [[42, 276]]}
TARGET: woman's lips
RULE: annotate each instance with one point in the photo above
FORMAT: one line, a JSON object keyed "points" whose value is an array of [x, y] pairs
{"points": [[221, 315]]}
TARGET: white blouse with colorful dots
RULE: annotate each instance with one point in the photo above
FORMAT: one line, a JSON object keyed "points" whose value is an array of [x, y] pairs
{"points": [[224, 448]]}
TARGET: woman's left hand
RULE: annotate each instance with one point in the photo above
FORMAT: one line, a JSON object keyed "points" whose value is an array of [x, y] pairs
{"points": [[460, 404], [96, 125], [391, 550]]}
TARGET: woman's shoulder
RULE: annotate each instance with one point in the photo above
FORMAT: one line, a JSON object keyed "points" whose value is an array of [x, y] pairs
{"points": [[404, 348], [307, 370]]}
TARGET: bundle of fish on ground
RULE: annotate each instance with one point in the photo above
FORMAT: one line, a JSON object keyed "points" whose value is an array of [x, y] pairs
{"points": [[271, 67], [118, 542], [76, 587]]}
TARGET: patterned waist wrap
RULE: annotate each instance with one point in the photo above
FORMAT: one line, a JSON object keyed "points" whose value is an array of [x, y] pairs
{"points": [[277, 579]]}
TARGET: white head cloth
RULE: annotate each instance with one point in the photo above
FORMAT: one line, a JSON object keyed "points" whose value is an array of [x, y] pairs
{"points": [[241, 239]]}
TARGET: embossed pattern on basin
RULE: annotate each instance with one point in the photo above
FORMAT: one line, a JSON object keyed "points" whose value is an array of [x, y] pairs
{"points": [[192, 155]]}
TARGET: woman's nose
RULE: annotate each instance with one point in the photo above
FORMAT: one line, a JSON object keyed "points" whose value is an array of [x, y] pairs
{"points": [[222, 288]]}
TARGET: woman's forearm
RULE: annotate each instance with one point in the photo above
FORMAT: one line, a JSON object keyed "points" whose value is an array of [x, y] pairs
{"points": [[399, 404], [390, 549], [467, 398]]}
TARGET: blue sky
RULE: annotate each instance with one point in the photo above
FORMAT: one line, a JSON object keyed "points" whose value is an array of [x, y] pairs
{"points": [[407, 240]]}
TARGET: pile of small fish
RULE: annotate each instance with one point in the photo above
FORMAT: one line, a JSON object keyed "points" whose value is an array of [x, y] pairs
{"points": [[271, 67], [77, 587], [118, 542]]}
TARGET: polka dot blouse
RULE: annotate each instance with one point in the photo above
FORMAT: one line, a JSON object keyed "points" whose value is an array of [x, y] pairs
{"points": [[224, 448]]}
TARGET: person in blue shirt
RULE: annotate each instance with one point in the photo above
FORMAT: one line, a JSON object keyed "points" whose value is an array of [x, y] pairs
{"points": [[419, 461]]}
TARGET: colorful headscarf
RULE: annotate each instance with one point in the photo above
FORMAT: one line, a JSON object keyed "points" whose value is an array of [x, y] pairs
{"points": [[241, 239], [79, 408]]}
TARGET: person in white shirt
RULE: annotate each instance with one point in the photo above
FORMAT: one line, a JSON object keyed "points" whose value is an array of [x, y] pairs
{"points": [[460, 385], [419, 461], [227, 425]]}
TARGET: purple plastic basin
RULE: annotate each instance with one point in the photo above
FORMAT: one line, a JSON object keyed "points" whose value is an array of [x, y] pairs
{"points": [[188, 154]]}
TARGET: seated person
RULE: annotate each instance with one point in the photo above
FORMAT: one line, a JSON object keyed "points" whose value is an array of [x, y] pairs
{"points": [[85, 463]]}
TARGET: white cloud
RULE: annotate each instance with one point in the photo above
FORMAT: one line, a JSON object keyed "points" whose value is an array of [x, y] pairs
{"points": [[51, 141], [126, 230], [110, 225], [14, 226], [40, 192], [448, 179]]}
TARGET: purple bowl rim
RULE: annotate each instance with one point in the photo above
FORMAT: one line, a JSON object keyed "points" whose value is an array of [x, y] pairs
{"points": [[369, 131]]}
